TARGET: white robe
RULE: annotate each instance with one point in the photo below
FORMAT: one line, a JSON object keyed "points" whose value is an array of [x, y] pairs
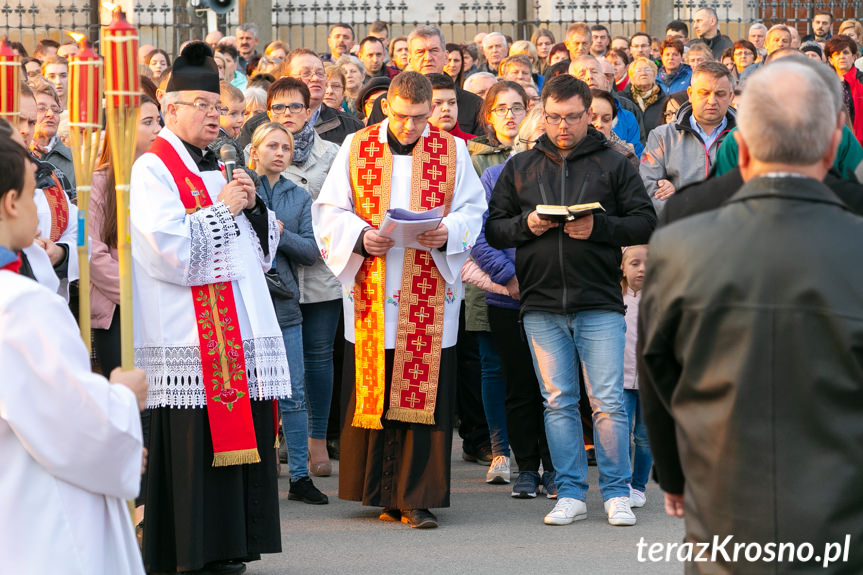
{"points": [[40, 263], [172, 251], [337, 228], [70, 442]]}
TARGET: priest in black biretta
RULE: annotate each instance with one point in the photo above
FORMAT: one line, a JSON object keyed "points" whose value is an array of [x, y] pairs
{"points": [[212, 488]]}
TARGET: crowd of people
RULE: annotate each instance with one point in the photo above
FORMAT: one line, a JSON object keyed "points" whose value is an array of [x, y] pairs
{"points": [[270, 306]]}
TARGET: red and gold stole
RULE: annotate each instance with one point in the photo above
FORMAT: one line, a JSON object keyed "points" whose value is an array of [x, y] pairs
{"points": [[413, 393], [57, 203], [223, 362]]}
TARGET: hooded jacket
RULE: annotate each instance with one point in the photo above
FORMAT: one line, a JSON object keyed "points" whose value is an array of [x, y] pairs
{"points": [[675, 152], [556, 273]]}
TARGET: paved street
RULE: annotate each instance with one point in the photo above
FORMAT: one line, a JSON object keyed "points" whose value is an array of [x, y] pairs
{"points": [[485, 531]]}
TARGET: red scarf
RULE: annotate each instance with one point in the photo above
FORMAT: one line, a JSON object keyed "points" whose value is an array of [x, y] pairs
{"points": [[223, 362]]}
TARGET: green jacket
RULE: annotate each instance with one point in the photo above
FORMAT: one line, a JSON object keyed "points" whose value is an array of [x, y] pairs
{"points": [[848, 155], [484, 155]]}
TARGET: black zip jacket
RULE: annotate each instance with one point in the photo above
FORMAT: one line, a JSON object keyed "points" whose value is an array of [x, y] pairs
{"points": [[555, 272]]}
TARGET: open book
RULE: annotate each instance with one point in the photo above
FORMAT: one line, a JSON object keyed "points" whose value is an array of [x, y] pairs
{"points": [[567, 213], [403, 226]]}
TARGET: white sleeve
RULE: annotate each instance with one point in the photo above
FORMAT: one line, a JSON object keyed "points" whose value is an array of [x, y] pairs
{"points": [[69, 237], [464, 220], [175, 247], [335, 223], [75, 424]]}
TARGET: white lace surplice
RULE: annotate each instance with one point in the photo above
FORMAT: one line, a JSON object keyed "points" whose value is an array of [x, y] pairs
{"points": [[171, 252]]}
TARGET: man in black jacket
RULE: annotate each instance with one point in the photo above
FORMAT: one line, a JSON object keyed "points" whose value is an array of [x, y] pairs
{"points": [[428, 55], [569, 279], [750, 327], [331, 125]]}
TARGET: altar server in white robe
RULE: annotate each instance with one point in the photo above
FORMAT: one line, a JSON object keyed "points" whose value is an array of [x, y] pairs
{"points": [[71, 441], [397, 433], [206, 334]]}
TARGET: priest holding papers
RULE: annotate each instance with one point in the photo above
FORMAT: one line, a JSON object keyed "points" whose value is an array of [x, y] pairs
{"points": [[401, 305]]}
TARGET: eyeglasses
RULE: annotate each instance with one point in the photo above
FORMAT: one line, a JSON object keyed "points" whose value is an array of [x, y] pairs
{"points": [[501, 111], [205, 107], [54, 109], [307, 74], [571, 119], [294, 108]]}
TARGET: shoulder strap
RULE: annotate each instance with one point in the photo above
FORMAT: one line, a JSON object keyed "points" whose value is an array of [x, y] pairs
{"points": [[193, 191]]}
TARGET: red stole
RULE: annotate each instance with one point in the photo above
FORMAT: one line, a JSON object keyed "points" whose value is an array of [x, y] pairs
{"points": [[223, 362], [413, 392], [57, 203]]}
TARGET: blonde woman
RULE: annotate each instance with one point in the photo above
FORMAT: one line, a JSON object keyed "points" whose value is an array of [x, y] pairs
{"points": [[270, 153]]}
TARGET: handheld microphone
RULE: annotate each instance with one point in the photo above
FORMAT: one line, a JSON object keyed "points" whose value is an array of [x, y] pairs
{"points": [[229, 157]]}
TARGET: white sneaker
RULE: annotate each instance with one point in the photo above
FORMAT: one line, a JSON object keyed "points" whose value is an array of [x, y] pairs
{"points": [[619, 512], [637, 498], [566, 511], [498, 471]]}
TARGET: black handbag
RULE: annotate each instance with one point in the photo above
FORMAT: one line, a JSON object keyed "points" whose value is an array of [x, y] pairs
{"points": [[278, 289]]}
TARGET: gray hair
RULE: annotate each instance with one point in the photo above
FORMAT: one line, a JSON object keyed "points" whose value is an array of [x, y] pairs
{"points": [[349, 59], [426, 32], [248, 27], [477, 76], [783, 114], [758, 26], [492, 36], [256, 95]]}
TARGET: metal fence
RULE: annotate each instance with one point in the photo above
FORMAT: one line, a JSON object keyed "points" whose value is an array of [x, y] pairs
{"points": [[168, 23]]}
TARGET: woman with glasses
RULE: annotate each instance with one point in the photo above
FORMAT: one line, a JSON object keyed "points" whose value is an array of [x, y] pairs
{"points": [[334, 94], [47, 145], [503, 111], [744, 53], [645, 92], [320, 292]]}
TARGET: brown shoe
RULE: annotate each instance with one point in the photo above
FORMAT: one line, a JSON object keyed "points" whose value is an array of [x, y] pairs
{"points": [[419, 518]]}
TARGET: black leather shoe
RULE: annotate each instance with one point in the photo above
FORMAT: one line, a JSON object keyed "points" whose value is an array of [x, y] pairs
{"points": [[304, 490], [419, 518], [224, 568], [389, 514]]}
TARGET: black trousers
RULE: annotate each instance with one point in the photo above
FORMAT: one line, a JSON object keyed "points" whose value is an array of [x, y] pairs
{"points": [[525, 424], [473, 427]]}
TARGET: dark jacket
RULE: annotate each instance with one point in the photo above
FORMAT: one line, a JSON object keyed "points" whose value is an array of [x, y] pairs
{"points": [[293, 207], [718, 44], [653, 116], [750, 324], [468, 112], [555, 272], [332, 125], [714, 192]]}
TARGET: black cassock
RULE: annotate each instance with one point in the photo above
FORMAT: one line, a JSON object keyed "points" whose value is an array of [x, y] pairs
{"points": [[197, 513], [403, 465]]}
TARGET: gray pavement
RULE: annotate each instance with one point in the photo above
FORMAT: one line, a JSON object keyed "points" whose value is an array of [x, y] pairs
{"points": [[484, 531]]}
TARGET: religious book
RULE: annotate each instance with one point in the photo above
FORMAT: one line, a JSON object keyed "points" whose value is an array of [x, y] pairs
{"points": [[403, 226], [567, 213]]}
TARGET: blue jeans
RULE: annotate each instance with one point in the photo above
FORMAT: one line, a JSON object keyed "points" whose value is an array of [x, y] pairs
{"points": [[320, 322], [642, 459], [493, 394], [558, 344], [295, 420]]}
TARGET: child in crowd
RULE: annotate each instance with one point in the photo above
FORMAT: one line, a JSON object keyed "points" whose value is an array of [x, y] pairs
{"points": [[232, 98], [633, 265]]}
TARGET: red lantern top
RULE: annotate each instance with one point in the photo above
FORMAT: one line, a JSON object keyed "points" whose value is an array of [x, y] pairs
{"points": [[10, 82], [85, 86], [122, 83]]}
